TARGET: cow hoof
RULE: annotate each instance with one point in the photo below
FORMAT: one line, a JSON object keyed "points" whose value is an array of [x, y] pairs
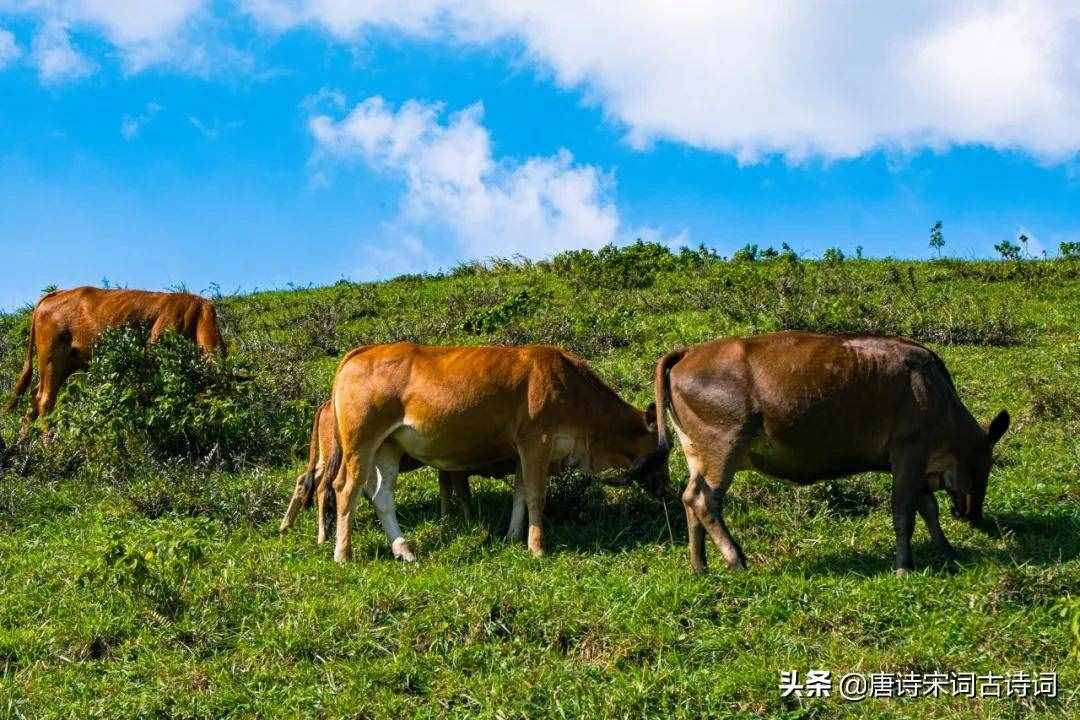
{"points": [[401, 550]]}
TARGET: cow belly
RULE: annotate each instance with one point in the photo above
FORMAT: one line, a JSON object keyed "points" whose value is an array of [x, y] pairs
{"points": [[812, 462], [459, 452]]}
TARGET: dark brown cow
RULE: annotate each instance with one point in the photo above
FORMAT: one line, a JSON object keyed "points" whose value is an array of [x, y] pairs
{"points": [[456, 408], [806, 407], [65, 324], [312, 485]]}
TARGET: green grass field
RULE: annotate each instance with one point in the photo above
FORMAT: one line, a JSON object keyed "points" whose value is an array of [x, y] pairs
{"points": [[162, 588]]}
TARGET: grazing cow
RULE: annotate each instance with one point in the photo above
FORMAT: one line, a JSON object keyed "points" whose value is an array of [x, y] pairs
{"points": [[456, 408], [806, 407], [312, 485], [65, 324]]}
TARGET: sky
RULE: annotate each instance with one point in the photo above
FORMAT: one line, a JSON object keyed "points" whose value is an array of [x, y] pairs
{"points": [[250, 144]]}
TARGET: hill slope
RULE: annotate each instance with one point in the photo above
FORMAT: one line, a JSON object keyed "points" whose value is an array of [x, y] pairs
{"points": [[163, 589]]}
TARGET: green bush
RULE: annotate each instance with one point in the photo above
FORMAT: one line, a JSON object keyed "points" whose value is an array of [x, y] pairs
{"points": [[156, 573], [490, 319], [167, 400], [614, 268]]}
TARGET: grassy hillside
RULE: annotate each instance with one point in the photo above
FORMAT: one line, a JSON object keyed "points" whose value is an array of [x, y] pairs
{"points": [[137, 579]]}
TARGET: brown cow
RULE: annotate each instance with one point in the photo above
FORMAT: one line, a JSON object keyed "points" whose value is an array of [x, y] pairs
{"points": [[311, 485], [456, 408], [806, 407], [65, 324]]}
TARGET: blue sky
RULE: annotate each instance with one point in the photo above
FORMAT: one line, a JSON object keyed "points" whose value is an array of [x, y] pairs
{"points": [[257, 143]]}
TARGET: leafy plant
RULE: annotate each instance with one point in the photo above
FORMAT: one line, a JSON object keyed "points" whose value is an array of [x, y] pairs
{"points": [[169, 399], [937, 237], [486, 320], [156, 573], [1008, 250], [833, 256], [747, 253], [1069, 609]]}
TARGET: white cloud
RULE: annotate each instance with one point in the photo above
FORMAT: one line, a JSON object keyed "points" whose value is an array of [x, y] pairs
{"points": [[212, 130], [144, 34], [56, 59], [9, 48], [132, 125], [454, 185], [752, 78]]}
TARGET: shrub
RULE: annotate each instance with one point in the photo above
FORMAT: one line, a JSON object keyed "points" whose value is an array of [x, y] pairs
{"points": [[1008, 250], [613, 268], [486, 320], [832, 256], [157, 572], [168, 399], [747, 253], [1070, 250]]}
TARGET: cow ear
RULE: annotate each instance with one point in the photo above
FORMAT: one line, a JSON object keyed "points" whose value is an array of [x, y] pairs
{"points": [[650, 417], [997, 427]]}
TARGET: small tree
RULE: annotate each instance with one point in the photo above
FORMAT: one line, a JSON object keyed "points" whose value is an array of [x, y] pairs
{"points": [[1008, 250], [937, 237]]}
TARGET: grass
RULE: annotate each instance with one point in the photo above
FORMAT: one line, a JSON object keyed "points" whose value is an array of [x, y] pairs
{"points": [[166, 591]]}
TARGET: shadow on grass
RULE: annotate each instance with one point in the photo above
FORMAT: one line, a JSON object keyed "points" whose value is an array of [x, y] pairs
{"points": [[1036, 539], [1039, 540], [598, 523]]}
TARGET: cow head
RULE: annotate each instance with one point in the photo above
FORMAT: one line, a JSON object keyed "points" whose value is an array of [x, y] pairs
{"points": [[632, 449], [967, 483]]}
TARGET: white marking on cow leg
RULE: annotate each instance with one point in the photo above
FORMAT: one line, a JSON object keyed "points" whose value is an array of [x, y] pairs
{"points": [[517, 514], [386, 470], [534, 469], [294, 505]]}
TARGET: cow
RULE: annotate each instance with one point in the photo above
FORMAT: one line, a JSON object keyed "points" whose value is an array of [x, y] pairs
{"points": [[65, 324], [806, 407], [312, 485], [456, 408]]}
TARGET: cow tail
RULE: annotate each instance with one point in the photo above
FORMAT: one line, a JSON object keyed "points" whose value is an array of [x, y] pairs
{"points": [[27, 369], [331, 468], [662, 389], [313, 457]]}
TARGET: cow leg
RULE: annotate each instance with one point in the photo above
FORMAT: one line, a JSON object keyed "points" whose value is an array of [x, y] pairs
{"points": [[704, 495], [381, 491], [928, 509], [516, 531], [535, 461], [295, 504], [909, 467], [445, 488], [694, 528], [30, 416], [324, 497], [53, 374], [463, 494], [358, 466]]}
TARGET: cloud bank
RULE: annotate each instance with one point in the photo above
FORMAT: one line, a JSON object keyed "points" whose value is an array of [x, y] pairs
{"points": [[453, 186], [757, 78], [752, 78]]}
